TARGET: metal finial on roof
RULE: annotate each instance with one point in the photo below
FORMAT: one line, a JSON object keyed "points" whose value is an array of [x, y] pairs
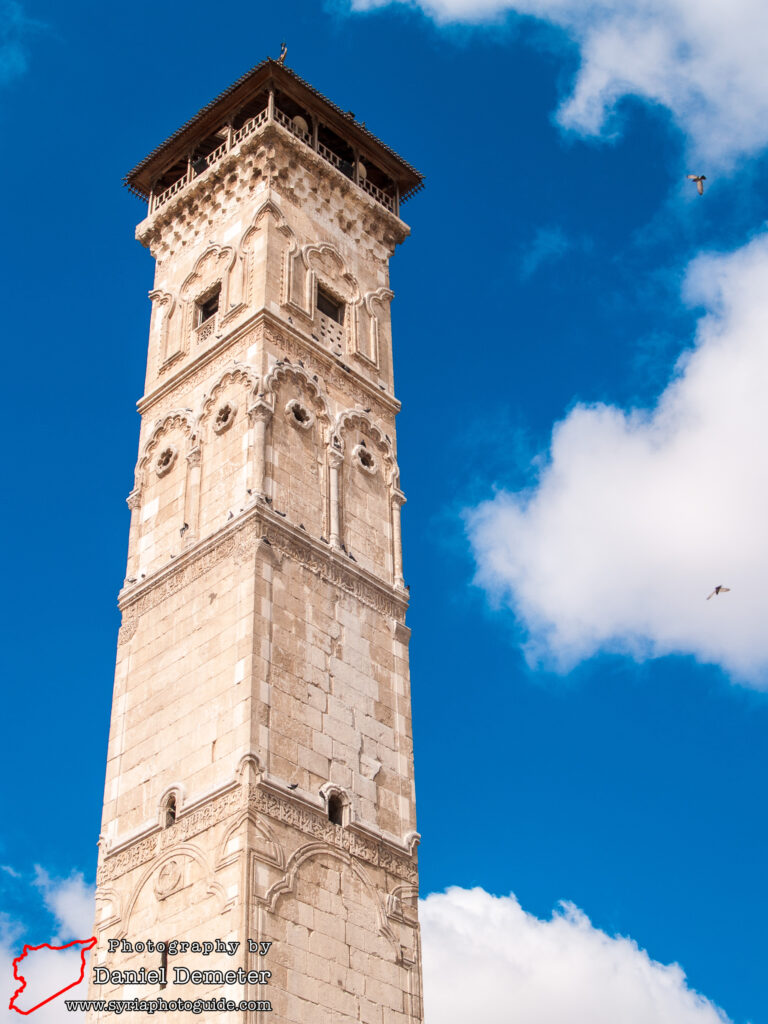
{"points": [[283, 53]]}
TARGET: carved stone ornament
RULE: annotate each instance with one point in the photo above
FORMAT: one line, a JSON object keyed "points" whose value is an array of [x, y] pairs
{"points": [[165, 460], [364, 459], [224, 417], [298, 415], [307, 820], [167, 879]]}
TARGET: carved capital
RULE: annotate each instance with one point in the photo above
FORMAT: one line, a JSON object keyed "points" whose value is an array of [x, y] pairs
{"points": [[194, 457], [133, 501], [260, 410], [398, 498], [335, 458], [160, 297]]}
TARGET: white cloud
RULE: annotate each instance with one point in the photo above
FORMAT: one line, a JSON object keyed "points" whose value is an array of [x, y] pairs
{"points": [[549, 244], [482, 954], [486, 959], [15, 27], [704, 60], [71, 902], [638, 514]]}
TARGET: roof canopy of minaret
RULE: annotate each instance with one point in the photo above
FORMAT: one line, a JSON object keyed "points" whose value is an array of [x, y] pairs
{"points": [[332, 132]]}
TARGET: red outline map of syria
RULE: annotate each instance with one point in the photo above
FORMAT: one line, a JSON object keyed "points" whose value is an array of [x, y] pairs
{"points": [[87, 944]]}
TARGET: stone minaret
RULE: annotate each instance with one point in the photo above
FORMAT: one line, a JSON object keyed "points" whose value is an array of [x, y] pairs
{"points": [[259, 777]]}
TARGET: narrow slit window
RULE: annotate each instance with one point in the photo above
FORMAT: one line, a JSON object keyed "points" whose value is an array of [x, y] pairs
{"points": [[207, 308], [330, 306], [170, 811], [336, 810], [164, 965]]}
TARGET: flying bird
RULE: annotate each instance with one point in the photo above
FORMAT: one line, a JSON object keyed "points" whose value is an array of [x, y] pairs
{"points": [[719, 590], [283, 53], [699, 179]]}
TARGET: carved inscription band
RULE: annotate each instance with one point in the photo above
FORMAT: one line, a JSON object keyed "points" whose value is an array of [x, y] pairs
{"points": [[304, 819]]}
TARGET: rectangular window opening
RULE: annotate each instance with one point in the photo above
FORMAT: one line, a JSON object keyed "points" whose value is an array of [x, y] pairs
{"points": [[330, 306], [208, 307]]}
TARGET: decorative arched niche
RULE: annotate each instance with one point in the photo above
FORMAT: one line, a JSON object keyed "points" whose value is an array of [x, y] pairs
{"points": [[268, 233], [368, 484], [160, 489], [179, 877], [205, 294], [223, 430], [297, 438], [165, 330], [321, 876], [322, 288], [373, 338]]}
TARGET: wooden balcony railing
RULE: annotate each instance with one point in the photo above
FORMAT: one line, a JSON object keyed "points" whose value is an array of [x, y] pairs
{"points": [[250, 126]]}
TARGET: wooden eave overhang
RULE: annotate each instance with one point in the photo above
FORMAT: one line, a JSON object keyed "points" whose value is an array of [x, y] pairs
{"points": [[264, 75]]}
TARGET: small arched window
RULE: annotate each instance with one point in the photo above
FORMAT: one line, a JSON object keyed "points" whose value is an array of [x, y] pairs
{"points": [[335, 809], [170, 811]]}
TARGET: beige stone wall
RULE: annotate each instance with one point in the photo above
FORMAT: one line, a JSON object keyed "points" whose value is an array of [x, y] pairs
{"points": [[338, 908], [262, 664]]}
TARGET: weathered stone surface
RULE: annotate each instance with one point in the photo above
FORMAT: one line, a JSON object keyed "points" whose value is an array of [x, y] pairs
{"points": [[262, 667]]}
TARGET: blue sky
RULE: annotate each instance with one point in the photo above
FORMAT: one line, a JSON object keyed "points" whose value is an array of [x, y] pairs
{"points": [[579, 352]]}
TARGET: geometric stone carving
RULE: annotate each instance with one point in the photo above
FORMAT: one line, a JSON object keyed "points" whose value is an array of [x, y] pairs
{"points": [[168, 879], [165, 460], [298, 416], [224, 417], [363, 459]]}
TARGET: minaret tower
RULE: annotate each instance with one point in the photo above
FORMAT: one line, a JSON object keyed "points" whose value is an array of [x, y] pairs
{"points": [[259, 779]]}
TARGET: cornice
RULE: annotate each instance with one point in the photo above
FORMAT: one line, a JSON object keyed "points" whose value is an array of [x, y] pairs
{"points": [[239, 537], [182, 375], [201, 188], [330, 362], [329, 365]]}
